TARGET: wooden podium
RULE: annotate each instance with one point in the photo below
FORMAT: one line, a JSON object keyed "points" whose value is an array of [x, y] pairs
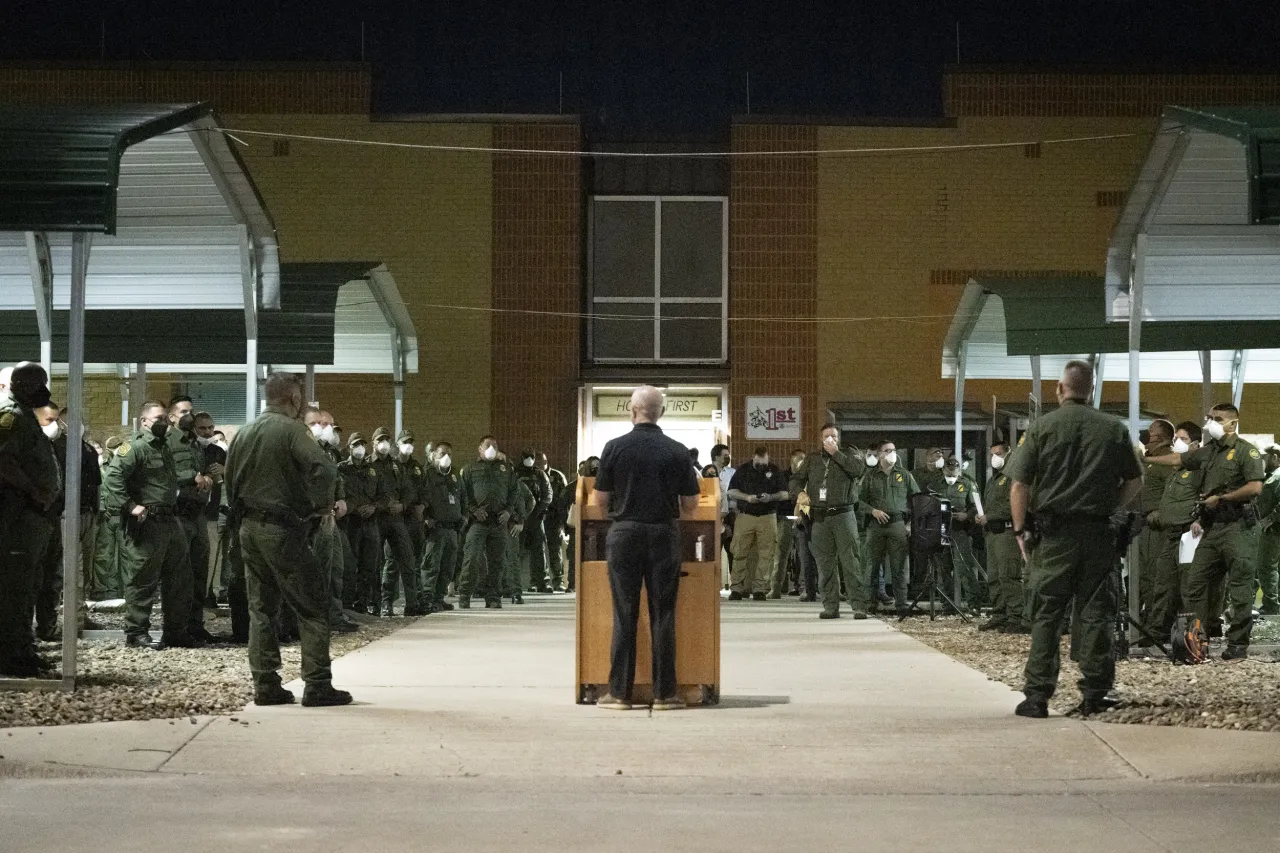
{"points": [[697, 605]]}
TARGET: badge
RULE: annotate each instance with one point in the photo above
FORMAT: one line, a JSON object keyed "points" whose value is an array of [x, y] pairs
{"points": [[769, 474], [1186, 474], [1021, 439], [1253, 454], [6, 420], [898, 477], [372, 473], [822, 494], [123, 450], [1003, 480], [960, 488], [1231, 454]]}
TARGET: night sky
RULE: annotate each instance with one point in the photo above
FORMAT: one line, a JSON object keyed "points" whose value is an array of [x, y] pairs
{"points": [[661, 70]]}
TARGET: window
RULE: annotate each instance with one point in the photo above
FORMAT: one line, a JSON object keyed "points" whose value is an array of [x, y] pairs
{"points": [[658, 279], [1267, 199], [220, 394]]}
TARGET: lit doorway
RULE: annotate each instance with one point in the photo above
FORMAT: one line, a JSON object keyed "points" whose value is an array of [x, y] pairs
{"points": [[694, 417]]}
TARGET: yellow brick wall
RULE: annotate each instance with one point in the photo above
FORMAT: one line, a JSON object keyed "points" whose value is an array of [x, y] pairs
{"points": [[428, 216]]}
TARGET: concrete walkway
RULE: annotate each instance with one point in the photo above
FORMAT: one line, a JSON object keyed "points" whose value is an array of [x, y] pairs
{"points": [[830, 736]]}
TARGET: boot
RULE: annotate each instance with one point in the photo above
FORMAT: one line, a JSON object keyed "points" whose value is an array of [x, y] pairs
{"points": [[324, 695], [272, 693]]}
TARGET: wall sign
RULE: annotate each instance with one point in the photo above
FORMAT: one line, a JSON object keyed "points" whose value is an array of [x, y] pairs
{"points": [[685, 406], [773, 418]]}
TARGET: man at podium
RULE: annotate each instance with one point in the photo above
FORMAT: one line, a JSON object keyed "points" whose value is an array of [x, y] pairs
{"points": [[645, 482]]}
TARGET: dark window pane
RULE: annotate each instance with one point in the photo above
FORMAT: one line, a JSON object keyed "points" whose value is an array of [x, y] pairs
{"points": [[622, 248], [616, 336], [692, 248], [692, 331]]}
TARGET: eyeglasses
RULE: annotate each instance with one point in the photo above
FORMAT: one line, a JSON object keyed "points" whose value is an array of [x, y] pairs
{"points": [[1222, 419]]}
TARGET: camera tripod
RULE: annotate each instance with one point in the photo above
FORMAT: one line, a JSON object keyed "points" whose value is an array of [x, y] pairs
{"points": [[931, 586]]}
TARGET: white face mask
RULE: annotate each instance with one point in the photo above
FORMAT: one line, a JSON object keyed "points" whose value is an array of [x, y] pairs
{"points": [[444, 462], [872, 459], [358, 452], [892, 458], [1214, 430], [329, 436], [406, 449], [383, 447], [1180, 446], [939, 463], [103, 459], [204, 442], [317, 430], [951, 481], [222, 444], [997, 462], [490, 452], [52, 430], [528, 463]]}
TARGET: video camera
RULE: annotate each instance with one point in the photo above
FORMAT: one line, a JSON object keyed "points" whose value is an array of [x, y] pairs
{"points": [[930, 523]]}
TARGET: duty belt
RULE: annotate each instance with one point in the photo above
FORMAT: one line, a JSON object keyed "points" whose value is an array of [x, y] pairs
{"points": [[821, 513], [998, 526], [447, 525], [282, 519], [161, 511]]}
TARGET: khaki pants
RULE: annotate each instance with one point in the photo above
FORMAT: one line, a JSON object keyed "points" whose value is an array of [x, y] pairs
{"points": [[755, 542]]}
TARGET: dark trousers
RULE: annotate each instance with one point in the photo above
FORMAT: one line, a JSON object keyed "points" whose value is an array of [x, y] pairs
{"points": [[648, 554]]}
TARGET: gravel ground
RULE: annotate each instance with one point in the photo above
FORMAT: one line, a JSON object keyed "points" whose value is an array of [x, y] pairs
{"points": [[124, 684], [1216, 695]]}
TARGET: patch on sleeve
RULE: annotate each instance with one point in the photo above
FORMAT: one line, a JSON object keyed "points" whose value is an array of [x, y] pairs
{"points": [[6, 420], [123, 450], [1253, 454]]}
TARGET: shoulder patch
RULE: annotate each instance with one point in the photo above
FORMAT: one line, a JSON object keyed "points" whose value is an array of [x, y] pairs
{"points": [[1253, 454], [6, 420], [123, 450]]}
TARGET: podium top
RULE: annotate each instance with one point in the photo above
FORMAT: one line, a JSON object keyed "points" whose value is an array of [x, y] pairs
{"points": [[708, 508]]}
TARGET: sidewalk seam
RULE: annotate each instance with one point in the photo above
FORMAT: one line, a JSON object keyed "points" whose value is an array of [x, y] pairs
{"points": [[1115, 752], [194, 735]]}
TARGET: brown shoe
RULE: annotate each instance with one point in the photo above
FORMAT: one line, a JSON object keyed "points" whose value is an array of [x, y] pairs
{"points": [[610, 703], [671, 703]]}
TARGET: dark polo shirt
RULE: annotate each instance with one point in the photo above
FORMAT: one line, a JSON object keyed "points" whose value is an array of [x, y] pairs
{"points": [[645, 473]]}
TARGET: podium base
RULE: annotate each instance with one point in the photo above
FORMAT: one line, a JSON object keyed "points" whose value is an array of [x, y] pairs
{"points": [[642, 694]]}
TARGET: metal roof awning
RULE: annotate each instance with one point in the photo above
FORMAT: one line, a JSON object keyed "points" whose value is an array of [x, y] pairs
{"points": [[1200, 231]]}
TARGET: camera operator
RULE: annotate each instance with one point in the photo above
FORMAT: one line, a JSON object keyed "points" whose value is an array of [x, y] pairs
{"points": [[1074, 470]]}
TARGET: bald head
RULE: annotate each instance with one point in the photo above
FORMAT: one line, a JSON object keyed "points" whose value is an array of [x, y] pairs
{"points": [[646, 405], [1077, 381]]}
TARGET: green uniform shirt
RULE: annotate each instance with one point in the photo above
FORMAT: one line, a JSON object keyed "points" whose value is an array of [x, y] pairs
{"points": [[414, 471], [22, 439], [142, 471], [276, 465], [1181, 493], [340, 486], [188, 461], [1269, 501], [539, 486], [362, 482], [558, 484], [1155, 478], [995, 500], [442, 495], [493, 485], [1228, 463], [392, 482], [837, 473], [887, 492], [1074, 459], [961, 494]]}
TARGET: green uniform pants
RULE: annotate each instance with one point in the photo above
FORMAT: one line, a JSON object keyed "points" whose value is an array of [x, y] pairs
{"points": [[483, 551], [1166, 584], [513, 579], [961, 560], [533, 554], [1073, 566], [1269, 569], [553, 530], [890, 540], [281, 567], [1150, 544], [195, 533], [834, 543], [437, 566], [366, 558], [778, 580], [755, 549], [154, 554], [108, 580], [1225, 551], [400, 565], [49, 594], [1005, 568], [24, 536], [417, 536], [326, 544]]}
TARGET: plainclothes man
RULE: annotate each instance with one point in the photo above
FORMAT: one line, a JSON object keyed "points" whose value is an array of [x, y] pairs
{"points": [[829, 477], [757, 488], [281, 486], [141, 486], [28, 489], [645, 482], [786, 534], [1074, 470], [1233, 475], [553, 524], [886, 495]]}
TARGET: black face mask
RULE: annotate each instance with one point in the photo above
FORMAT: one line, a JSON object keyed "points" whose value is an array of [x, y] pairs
{"points": [[187, 422], [159, 428]]}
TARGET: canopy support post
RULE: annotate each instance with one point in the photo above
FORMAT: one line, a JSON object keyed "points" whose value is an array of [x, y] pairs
{"points": [[1239, 362], [961, 365], [122, 371], [249, 288], [1037, 385], [42, 289], [310, 388], [71, 588], [139, 385], [1135, 395], [1206, 380], [1099, 367], [250, 380]]}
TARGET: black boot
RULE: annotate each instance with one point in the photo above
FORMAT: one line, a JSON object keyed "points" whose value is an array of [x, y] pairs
{"points": [[324, 695], [272, 693]]}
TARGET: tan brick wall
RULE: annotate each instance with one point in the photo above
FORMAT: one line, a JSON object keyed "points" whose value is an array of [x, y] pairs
{"points": [[773, 277], [537, 212], [427, 215]]}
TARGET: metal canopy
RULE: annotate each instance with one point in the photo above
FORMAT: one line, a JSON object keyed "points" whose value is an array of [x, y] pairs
{"points": [[1200, 230], [182, 229]]}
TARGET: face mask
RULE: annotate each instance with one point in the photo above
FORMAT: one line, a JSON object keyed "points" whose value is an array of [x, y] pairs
{"points": [[187, 422], [358, 452], [204, 442], [872, 459], [383, 447], [939, 463], [444, 462], [1180, 446], [760, 463], [528, 461], [406, 449], [997, 462], [489, 453], [317, 430], [222, 444], [52, 430], [891, 457], [1214, 430], [103, 459], [951, 481], [328, 436], [159, 428]]}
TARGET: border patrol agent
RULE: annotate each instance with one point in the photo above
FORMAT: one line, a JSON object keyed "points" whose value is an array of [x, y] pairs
{"points": [[1177, 511], [1005, 567], [490, 501], [960, 492], [885, 496], [442, 496], [364, 489], [829, 478], [1151, 538], [1072, 472], [193, 499], [1269, 536], [533, 536]]}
